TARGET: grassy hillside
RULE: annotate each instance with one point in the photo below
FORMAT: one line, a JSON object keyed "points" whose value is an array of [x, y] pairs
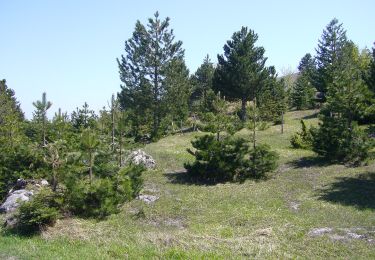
{"points": [[305, 210]]}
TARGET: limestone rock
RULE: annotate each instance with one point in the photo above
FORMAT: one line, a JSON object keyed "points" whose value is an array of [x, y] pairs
{"points": [[148, 198], [14, 199], [140, 157]]}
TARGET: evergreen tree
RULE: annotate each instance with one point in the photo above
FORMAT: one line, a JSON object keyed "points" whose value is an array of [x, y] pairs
{"points": [[55, 157], [273, 98], [83, 117], [219, 120], [202, 81], [303, 94], [328, 52], [41, 114], [143, 71], [11, 116], [178, 90], [9, 101], [61, 126], [371, 76], [338, 137], [241, 70], [89, 145]]}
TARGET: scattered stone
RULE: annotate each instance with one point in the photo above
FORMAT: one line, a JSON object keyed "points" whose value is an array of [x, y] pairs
{"points": [[140, 157], [148, 198], [10, 221], [319, 231], [20, 184], [264, 232], [354, 235], [344, 234], [14, 199], [44, 182], [295, 205]]}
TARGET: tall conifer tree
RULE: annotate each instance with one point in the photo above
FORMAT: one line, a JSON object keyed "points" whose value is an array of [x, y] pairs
{"points": [[143, 69], [241, 69], [328, 52]]}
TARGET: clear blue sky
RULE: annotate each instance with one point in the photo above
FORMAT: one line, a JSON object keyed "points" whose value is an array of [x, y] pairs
{"points": [[69, 48]]}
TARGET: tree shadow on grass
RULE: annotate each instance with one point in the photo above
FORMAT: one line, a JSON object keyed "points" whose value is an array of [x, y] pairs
{"points": [[183, 177], [310, 161], [312, 116], [356, 191]]}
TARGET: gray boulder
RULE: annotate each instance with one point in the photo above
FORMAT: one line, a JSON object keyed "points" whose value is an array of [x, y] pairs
{"points": [[19, 193], [14, 199], [140, 157], [148, 198]]}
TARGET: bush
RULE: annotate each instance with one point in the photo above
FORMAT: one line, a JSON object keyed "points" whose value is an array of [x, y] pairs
{"points": [[302, 139], [97, 199], [41, 211], [16, 162], [228, 160], [262, 160], [335, 141], [103, 196], [130, 180]]}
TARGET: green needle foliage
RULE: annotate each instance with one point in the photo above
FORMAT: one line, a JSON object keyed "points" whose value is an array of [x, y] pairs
{"points": [[339, 138], [241, 71], [90, 144], [40, 115]]}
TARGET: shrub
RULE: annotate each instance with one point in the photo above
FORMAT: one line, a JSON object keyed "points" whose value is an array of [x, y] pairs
{"points": [[335, 141], [302, 139], [102, 196], [97, 199], [228, 160], [41, 211], [262, 160], [16, 162], [130, 181]]}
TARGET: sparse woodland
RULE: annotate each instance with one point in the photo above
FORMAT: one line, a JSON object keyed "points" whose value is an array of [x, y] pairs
{"points": [[222, 114]]}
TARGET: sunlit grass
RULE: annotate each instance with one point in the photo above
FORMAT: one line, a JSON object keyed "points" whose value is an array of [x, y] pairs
{"points": [[265, 219]]}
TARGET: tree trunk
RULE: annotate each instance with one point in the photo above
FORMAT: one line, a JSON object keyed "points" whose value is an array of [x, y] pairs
{"points": [[254, 123], [90, 167], [243, 109], [54, 180], [113, 128], [155, 114], [44, 130], [282, 122], [120, 143]]}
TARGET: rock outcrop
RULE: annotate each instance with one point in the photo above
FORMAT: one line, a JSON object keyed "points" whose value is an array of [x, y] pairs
{"points": [[140, 157], [22, 191]]}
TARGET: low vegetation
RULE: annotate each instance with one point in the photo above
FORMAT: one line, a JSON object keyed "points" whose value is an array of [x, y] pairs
{"points": [[242, 171]]}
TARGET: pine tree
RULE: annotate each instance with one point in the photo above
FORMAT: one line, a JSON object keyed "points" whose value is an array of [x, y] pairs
{"points": [[272, 99], [9, 101], [303, 93], [83, 118], [61, 126], [241, 69], [178, 90], [219, 120], [41, 114], [143, 68], [371, 78], [90, 144], [202, 81], [328, 52], [338, 137], [11, 116]]}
